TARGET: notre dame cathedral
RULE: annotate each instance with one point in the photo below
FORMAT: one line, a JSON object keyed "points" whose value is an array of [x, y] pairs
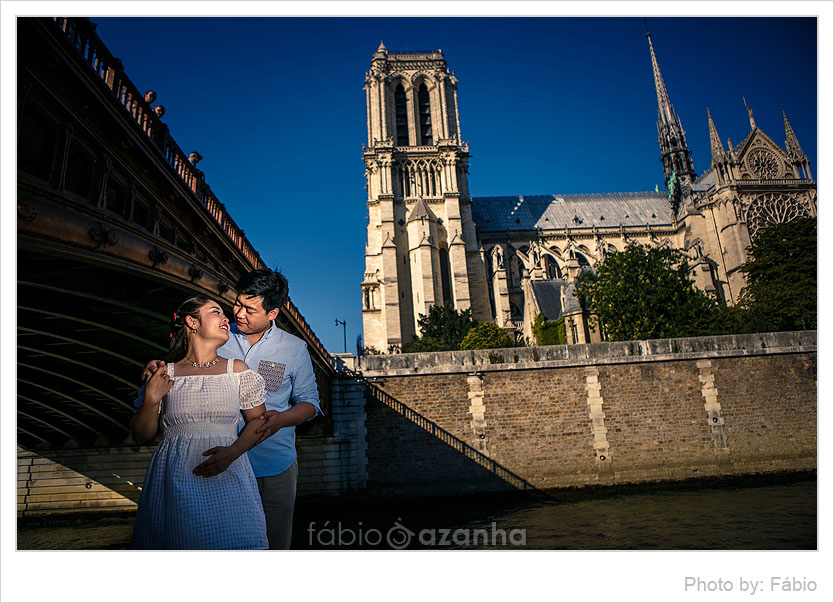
{"points": [[511, 258]]}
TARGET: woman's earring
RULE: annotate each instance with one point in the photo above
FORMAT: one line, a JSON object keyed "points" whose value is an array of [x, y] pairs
{"points": [[193, 331]]}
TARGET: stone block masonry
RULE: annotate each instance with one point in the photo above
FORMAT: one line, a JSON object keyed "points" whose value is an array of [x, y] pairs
{"points": [[608, 413], [497, 420]]}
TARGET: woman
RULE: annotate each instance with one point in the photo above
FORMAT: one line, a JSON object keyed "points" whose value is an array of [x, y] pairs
{"points": [[188, 501]]}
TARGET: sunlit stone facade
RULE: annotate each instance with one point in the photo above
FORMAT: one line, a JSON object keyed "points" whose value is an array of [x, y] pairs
{"points": [[510, 258]]}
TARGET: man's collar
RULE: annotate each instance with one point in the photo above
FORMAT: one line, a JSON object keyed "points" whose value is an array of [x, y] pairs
{"points": [[269, 331]]}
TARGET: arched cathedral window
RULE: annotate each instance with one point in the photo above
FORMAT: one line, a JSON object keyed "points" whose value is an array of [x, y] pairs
{"points": [[551, 268], [424, 112], [773, 208], [401, 115]]}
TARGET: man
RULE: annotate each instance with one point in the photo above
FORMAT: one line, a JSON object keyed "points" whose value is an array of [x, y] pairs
{"points": [[291, 393]]}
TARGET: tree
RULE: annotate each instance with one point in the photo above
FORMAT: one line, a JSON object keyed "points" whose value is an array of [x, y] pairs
{"points": [[781, 273], [549, 332], [646, 293], [486, 336], [426, 344], [443, 326]]}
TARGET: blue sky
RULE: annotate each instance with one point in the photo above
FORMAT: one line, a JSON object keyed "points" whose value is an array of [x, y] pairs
{"points": [[549, 105]]}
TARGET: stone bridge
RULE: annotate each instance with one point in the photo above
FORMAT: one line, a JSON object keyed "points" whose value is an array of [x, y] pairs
{"points": [[116, 226]]}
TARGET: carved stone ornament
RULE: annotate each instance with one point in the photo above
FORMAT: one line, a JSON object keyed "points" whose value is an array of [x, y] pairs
{"points": [[222, 288], [102, 236], [764, 163], [773, 208], [157, 256], [26, 212], [195, 274]]}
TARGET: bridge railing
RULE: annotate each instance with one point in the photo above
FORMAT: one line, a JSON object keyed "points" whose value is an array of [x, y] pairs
{"points": [[80, 32]]}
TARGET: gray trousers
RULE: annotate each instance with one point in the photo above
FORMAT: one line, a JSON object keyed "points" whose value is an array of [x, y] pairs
{"points": [[278, 498]]}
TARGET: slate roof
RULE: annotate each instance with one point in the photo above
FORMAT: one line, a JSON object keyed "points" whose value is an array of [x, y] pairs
{"points": [[549, 297], [705, 181], [547, 212]]}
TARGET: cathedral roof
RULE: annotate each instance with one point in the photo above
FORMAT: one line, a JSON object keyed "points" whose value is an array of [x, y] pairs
{"points": [[550, 294], [549, 297], [549, 212], [705, 181]]}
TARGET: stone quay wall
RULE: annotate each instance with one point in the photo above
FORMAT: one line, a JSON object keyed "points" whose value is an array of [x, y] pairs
{"points": [[603, 413], [451, 423]]}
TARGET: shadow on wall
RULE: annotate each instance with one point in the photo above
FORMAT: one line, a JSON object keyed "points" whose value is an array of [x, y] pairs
{"points": [[71, 480], [410, 455]]}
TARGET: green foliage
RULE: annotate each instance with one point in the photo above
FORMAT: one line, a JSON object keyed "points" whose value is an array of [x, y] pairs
{"points": [[646, 293], [549, 333], [426, 344], [443, 326], [485, 336], [781, 272]]}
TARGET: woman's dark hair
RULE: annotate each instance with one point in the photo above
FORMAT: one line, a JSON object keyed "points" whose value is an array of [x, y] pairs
{"points": [[178, 346], [270, 285]]}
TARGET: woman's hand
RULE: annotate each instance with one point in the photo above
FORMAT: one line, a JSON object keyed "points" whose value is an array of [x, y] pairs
{"points": [[221, 458], [152, 367], [157, 387]]}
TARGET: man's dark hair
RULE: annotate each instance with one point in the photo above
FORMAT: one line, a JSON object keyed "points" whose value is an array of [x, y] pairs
{"points": [[271, 285]]}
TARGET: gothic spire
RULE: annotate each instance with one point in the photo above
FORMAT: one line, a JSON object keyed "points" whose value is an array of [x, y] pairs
{"points": [[674, 153], [664, 105], [791, 142], [751, 118], [714, 141]]}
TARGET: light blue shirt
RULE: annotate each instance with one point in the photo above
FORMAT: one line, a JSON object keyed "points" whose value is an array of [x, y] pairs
{"points": [[284, 363]]}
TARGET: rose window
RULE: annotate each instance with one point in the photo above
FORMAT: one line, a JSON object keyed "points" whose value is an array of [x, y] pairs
{"points": [[773, 208], [764, 163]]}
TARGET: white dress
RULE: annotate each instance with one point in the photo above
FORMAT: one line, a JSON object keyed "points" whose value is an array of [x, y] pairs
{"points": [[179, 510]]}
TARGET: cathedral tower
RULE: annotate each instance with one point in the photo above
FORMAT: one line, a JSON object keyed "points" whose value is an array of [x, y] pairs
{"points": [[744, 190], [678, 170], [421, 245]]}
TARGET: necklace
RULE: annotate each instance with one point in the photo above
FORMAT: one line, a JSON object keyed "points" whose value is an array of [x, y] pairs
{"points": [[205, 364]]}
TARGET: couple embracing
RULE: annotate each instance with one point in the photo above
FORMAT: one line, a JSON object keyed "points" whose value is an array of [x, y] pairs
{"points": [[210, 484]]}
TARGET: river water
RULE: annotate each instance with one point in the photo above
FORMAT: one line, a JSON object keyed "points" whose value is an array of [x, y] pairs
{"points": [[765, 513]]}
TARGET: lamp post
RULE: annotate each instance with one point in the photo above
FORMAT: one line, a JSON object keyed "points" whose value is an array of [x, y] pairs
{"points": [[344, 331]]}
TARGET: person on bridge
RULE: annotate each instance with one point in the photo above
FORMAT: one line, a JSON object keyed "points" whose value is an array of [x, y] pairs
{"points": [[187, 500], [291, 392]]}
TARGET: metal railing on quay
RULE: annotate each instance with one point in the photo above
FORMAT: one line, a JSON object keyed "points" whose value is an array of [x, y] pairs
{"points": [[438, 432]]}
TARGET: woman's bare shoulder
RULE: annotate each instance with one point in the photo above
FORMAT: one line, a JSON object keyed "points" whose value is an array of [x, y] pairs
{"points": [[240, 366]]}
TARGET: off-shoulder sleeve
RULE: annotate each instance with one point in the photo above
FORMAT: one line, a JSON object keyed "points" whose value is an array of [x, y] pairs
{"points": [[252, 389]]}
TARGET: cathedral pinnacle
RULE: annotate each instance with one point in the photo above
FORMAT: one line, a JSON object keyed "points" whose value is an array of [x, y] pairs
{"points": [[750, 117], [381, 52], [791, 142], [714, 141]]}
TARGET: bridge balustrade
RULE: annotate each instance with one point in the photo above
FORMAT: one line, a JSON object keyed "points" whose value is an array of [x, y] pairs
{"points": [[80, 32], [115, 227]]}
